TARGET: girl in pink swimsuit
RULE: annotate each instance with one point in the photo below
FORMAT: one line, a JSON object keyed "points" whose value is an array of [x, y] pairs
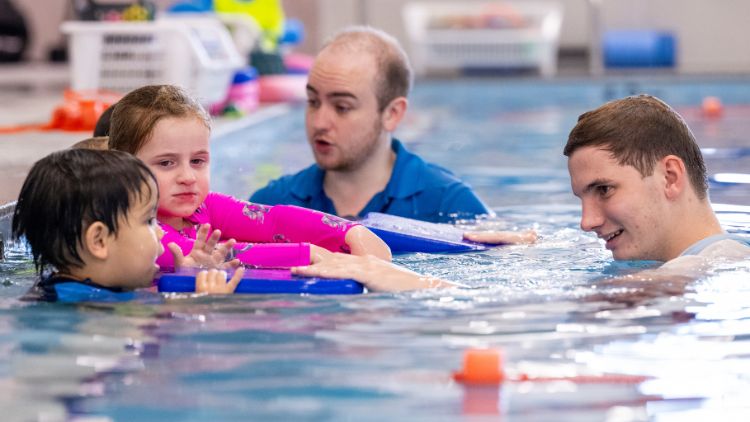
{"points": [[169, 131]]}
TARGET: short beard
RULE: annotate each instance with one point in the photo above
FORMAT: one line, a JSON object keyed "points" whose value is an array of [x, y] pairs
{"points": [[352, 163]]}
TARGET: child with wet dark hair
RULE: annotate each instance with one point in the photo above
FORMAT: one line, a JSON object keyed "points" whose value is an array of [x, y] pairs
{"points": [[90, 219]]}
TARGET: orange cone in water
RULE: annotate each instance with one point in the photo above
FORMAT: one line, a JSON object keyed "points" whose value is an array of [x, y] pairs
{"points": [[482, 374], [481, 366]]}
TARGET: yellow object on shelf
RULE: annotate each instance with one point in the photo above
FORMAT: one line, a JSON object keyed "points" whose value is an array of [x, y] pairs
{"points": [[267, 13]]}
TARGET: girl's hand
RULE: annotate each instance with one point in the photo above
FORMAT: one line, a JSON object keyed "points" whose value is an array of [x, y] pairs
{"points": [[362, 241], [207, 252], [494, 237], [215, 281]]}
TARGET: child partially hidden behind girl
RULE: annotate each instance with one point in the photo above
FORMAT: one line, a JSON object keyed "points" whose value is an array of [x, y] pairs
{"points": [[90, 220], [169, 131]]}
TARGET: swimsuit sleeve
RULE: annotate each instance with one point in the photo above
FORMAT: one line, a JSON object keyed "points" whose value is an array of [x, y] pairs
{"points": [[277, 255], [249, 222], [236, 219], [274, 255], [166, 260], [289, 223]]}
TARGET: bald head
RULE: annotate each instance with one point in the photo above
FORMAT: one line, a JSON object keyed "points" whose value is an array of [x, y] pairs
{"points": [[393, 75]]}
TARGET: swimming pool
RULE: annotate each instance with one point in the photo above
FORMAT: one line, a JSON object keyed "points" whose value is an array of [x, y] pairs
{"points": [[390, 356]]}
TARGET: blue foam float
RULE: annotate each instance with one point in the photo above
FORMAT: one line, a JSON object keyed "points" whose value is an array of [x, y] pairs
{"points": [[404, 235], [265, 281]]}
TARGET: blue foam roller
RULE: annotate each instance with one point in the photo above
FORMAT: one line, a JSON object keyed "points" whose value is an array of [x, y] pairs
{"points": [[638, 49], [265, 281]]}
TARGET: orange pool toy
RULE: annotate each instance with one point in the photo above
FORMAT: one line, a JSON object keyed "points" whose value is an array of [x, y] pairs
{"points": [[484, 367], [712, 107], [481, 366], [78, 113]]}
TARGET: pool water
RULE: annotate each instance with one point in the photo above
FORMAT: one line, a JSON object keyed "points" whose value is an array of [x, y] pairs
{"points": [[390, 356]]}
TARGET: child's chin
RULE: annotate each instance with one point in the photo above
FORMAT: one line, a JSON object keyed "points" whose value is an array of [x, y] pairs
{"points": [[182, 209], [183, 212]]}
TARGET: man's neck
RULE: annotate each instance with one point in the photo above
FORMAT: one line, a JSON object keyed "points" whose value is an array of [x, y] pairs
{"points": [[694, 227], [351, 190]]}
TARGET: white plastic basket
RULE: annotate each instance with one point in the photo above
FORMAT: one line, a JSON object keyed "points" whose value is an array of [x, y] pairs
{"points": [[197, 54], [533, 45]]}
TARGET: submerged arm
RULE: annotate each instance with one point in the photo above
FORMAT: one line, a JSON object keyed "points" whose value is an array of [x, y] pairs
{"points": [[671, 279], [375, 273]]}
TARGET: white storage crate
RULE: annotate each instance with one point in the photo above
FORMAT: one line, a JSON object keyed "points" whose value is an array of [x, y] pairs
{"points": [[197, 54], [484, 35]]}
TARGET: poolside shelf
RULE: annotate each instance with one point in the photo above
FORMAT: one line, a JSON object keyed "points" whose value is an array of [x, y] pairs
{"points": [[465, 36]]}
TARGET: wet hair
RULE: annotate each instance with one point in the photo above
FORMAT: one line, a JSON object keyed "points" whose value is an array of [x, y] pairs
{"points": [[67, 191], [394, 75], [102, 124], [137, 113], [639, 131], [97, 142]]}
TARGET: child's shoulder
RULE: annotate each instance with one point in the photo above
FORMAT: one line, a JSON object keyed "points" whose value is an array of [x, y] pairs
{"points": [[61, 288]]}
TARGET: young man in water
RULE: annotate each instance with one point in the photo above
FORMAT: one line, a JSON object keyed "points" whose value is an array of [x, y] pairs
{"points": [[641, 179]]}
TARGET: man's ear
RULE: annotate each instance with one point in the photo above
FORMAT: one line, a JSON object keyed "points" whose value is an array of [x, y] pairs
{"points": [[96, 240], [394, 112], [675, 176]]}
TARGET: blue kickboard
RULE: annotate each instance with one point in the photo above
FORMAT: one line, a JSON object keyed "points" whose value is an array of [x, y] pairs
{"points": [[404, 235], [259, 281]]}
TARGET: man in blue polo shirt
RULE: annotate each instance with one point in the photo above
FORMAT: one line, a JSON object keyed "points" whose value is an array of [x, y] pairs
{"points": [[356, 94]]}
